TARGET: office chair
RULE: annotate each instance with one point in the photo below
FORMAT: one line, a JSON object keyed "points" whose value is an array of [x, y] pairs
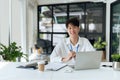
{"points": [[45, 44]]}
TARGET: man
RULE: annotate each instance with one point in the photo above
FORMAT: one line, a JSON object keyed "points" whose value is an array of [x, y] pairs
{"points": [[66, 50]]}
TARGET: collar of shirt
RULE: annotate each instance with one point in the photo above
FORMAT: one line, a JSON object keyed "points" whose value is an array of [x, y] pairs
{"points": [[71, 47], [78, 43]]}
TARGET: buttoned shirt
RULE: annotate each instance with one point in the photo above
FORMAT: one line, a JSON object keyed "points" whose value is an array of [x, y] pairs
{"points": [[62, 49]]}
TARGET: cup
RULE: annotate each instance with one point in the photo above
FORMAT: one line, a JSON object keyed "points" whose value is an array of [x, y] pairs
{"points": [[41, 65]]}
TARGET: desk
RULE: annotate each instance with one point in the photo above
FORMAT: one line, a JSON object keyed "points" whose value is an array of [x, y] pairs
{"points": [[10, 72]]}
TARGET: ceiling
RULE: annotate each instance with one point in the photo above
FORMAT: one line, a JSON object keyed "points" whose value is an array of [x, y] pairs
{"points": [[42, 2], [73, 8]]}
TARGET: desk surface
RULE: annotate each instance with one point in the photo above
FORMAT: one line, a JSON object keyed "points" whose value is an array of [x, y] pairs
{"points": [[8, 71]]}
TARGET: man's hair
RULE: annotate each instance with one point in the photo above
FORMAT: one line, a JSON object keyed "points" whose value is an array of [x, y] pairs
{"points": [[74, 21]]}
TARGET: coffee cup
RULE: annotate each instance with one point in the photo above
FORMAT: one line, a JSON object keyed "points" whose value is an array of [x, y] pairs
{"points": [[41, 65]]}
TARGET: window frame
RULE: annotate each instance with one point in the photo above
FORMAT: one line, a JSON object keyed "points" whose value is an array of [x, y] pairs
{"points": [[85, 33]]}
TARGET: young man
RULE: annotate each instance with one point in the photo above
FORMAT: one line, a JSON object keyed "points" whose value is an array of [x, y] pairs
{"points": [[66, 50]]}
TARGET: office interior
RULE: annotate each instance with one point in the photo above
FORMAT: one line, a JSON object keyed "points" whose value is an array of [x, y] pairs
{"points": [[24, 22]]}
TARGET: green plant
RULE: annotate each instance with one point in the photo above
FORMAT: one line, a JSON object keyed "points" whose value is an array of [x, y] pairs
{"points": [[99, 44], [11, 52], [115, 57]]}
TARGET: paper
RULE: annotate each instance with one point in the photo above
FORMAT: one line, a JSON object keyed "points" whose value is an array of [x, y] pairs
{"points": [[55, 66]]}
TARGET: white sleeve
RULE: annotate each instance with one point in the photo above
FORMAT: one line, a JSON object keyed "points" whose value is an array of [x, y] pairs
{"points": [[56, 55], [89, 46], [32, 57]]}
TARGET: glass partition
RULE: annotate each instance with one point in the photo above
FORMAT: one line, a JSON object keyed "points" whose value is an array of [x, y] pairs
{"points": [[52, 18], [115, 28], [94, 18], [77, 10]]}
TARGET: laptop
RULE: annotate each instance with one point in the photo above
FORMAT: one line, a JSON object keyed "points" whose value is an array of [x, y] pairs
{"points": [[88, 60]]}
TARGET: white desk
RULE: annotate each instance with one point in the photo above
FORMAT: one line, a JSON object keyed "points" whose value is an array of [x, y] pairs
{"points": [[10, 72]]}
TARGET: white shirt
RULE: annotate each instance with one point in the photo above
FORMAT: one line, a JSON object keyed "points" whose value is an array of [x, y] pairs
{"points": [[61, 50], [34, 56]]}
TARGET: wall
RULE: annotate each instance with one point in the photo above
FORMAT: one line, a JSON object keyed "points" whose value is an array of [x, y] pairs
{"points": [[28, 24], [22, 23], [31, 23], [15, 22], [4, 21], [10, 21], [41, 2]]}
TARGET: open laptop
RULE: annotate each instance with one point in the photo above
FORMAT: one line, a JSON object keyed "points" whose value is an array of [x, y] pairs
{"points": [[88, 60]]}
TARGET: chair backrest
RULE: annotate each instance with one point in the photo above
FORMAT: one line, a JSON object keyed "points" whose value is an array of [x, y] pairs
{"points": [[45, 44]]}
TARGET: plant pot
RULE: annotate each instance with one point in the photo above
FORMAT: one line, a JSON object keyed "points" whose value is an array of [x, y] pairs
{"points": [[104, 56], [116, 65]]}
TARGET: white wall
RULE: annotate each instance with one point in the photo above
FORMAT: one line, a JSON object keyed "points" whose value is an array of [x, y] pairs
{"points": [[4, 21], [31, 23], [21, 17], [10, 18], [28, 20], [15, 22], [41, 2]]}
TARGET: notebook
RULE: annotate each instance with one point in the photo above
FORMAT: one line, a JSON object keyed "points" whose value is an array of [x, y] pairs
{"points": [[55, 66], [88, 60], [31, 64]]}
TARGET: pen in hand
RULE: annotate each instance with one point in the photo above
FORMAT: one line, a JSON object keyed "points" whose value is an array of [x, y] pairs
{"points": [[70, 55]]}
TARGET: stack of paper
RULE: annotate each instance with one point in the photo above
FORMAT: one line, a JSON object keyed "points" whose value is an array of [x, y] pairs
{"points": [[55, 66]]}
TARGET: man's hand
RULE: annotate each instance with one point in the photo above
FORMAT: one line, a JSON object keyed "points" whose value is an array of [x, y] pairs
{"points": [[71, 55]]}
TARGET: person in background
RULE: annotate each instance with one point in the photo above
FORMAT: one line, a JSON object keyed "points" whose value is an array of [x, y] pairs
{"points": [[37, 52], [66, 50]]}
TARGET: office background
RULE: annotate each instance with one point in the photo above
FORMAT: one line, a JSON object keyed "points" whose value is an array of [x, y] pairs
{"points": [[19, 21]]}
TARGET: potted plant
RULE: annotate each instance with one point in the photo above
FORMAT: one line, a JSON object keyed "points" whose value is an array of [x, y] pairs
{"points": [[116, 61], [100, 45], [11, 52]]}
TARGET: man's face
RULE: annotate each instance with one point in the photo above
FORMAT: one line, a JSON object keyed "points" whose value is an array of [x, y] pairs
{"points": [[73, 30]]}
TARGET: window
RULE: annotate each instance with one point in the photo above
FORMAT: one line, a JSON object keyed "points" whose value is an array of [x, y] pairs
{"points": [[52, 18], [115, 28]]}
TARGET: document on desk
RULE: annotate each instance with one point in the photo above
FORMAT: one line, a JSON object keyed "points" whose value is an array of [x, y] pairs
{"points": [[55, 66], [29, 65]]}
